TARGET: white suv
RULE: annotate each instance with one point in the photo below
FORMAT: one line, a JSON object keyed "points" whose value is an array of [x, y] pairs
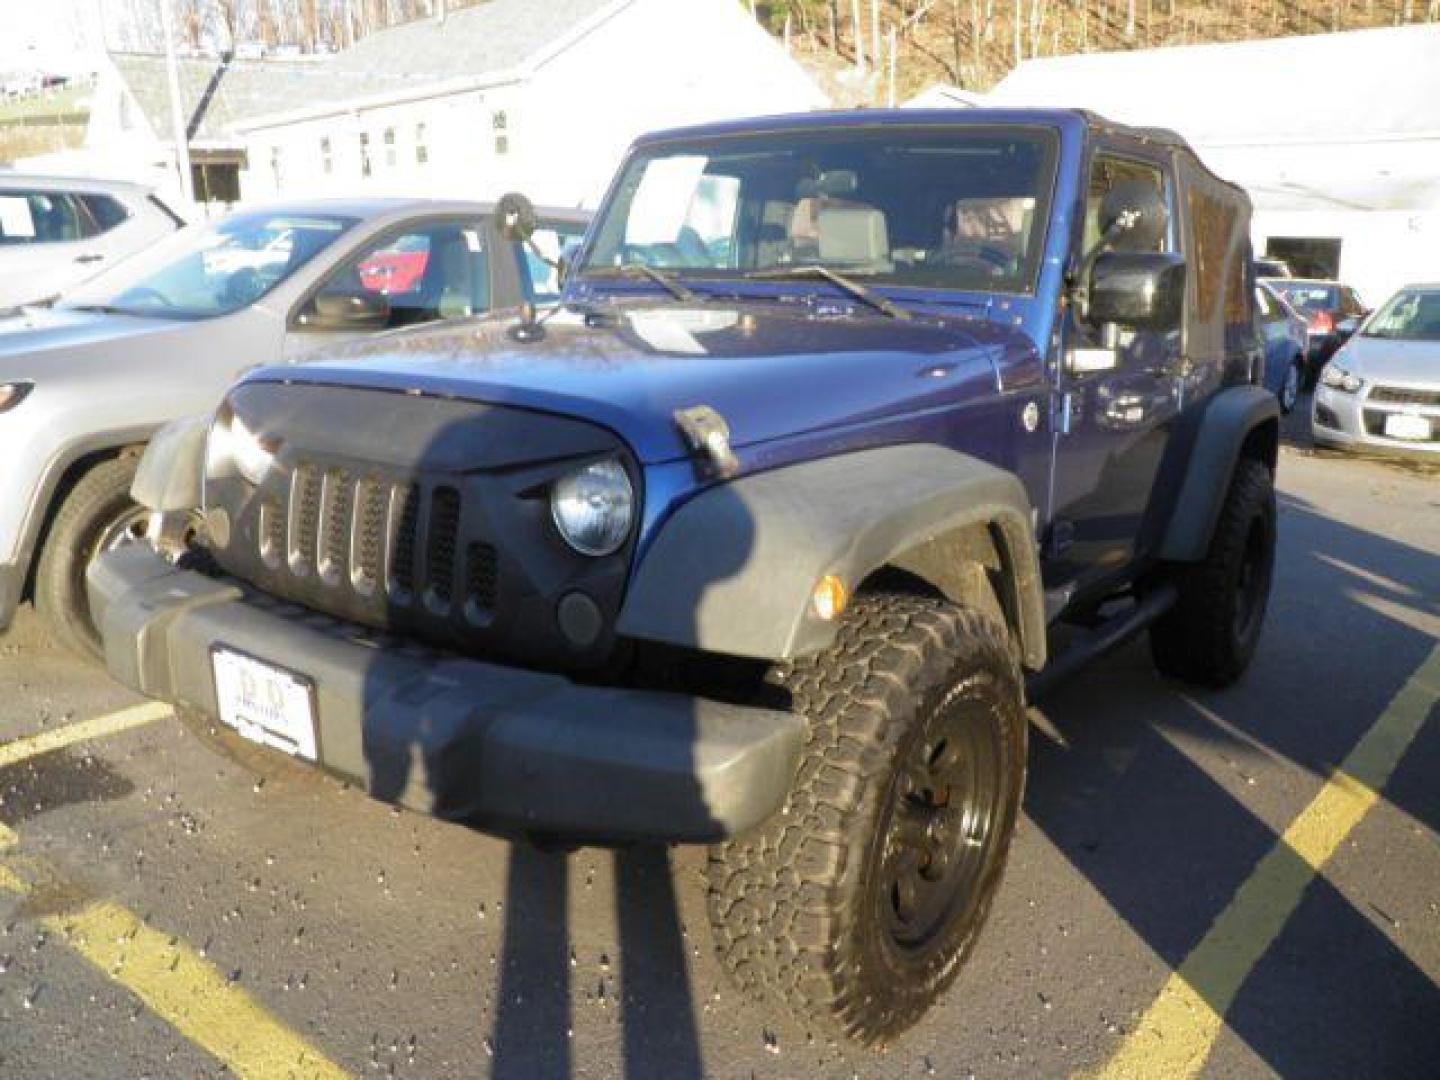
{"points": [[56, 232]]}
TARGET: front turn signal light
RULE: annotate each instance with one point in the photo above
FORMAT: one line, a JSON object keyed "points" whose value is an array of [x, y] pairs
{"points": [[829, 597]]}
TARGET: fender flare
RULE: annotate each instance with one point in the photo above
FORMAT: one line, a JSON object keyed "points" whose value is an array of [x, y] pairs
{"points": [[171, 473], [733, 570], [43, 501], [1230, 419]]}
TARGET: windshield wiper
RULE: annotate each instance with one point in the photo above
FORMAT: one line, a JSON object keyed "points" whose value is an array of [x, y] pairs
{"points": [[664, 280], [102, 309], [850, 285]]}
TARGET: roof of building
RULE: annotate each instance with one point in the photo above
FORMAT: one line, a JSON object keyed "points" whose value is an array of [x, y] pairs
{"points": [[220, 92], [1367, 84], [489, 37], [217, 92]]}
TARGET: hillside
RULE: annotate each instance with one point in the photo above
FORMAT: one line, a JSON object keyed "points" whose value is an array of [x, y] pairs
{"points": [[973, 43]]}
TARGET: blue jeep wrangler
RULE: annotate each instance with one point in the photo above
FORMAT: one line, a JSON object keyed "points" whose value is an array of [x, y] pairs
{"points": [[760, 538]]}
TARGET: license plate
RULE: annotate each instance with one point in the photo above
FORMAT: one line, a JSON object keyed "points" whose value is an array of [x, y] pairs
{"points": [[265, 704], [1402, 426]]}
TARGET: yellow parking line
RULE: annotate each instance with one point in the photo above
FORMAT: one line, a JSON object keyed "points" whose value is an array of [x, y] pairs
{"points": [[1177, 1032], [171, 978], [94, 728], [185, 991]]}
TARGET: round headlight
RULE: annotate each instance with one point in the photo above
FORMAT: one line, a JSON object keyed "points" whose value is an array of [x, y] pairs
{"points": [[593, 507]]}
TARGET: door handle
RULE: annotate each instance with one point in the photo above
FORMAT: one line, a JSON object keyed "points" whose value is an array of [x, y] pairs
{"points": [[88, 258]]}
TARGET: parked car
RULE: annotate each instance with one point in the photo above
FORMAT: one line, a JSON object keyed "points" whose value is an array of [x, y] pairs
{"points": [[1381, 391], [56, 232], [1286, 339], [1272, 268], [84, 384], [751, 542], [1333, 310]]}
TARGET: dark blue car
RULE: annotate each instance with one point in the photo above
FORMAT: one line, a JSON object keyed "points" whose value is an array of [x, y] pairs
{"points": [[1286, 337], [760, 538]]}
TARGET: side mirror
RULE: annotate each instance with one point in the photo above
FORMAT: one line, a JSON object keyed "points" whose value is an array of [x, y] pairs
{"points": [[1139, 291], [1345, 328], [353, 311], [515, 217]]}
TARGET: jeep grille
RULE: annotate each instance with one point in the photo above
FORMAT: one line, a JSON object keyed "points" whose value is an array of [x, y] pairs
{"points": [[354, 532]]}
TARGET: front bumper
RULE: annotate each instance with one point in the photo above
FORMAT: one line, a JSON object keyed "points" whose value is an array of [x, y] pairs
{"points": [[1357, 422], [501, 748], [12, 584]]}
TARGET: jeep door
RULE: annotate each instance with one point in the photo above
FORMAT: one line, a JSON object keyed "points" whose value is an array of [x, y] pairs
{"points": [[1119, 398]]}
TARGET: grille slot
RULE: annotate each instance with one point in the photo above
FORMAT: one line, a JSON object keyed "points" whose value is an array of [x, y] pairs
{"points": [[481, 580], [1399, 395], [405, 512], [440, 547], [337, 504], [304, 520], [367, 561], [272, 534]]}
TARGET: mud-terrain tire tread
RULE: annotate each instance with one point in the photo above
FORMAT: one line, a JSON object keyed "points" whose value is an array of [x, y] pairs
{"points": [[99, 496], [1195, 641], [784, 899]]}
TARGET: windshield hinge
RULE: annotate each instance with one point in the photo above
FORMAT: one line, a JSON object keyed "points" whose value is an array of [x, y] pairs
{"points": [[708, 437]]}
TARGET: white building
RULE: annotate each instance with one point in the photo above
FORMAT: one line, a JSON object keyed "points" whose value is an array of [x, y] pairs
{"points": [[1336, 137], [510, 94]]}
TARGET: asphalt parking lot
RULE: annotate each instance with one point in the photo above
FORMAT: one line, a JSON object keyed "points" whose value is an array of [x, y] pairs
{"points": [[1246, 881]]}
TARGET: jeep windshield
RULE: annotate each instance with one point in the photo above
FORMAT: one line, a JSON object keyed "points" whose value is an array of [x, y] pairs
{"points": [[921, 207], [214, 270]]}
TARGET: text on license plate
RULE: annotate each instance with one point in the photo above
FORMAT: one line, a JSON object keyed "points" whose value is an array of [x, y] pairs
{"points": [[265, 704]]}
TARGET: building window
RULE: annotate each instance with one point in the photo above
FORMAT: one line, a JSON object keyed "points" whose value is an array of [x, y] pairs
{"points": [[327, 163], [275, 165], [364, 153], [422, 149], [502, 144], [499, 121], [390, 148]]}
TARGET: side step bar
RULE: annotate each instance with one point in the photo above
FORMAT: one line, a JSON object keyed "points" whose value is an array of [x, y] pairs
{"points": [[1098, 641]]}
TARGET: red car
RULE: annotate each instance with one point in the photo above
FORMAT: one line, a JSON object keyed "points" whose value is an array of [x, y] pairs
{"points": [[397, 269]]}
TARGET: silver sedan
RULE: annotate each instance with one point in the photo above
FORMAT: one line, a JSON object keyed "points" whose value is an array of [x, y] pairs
{"points": [[85, 383], [1381, 391]]}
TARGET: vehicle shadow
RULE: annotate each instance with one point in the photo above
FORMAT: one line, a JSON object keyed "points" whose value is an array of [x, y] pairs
{"points": [[1144, 799], [423, 747], [1144, 818]]}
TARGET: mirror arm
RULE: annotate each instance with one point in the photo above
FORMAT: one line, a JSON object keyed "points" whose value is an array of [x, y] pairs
{"points": [[1080, 284]]}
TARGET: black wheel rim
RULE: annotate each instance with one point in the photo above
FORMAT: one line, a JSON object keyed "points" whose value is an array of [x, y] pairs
{"points": [[1252, 583], [943, 825]]}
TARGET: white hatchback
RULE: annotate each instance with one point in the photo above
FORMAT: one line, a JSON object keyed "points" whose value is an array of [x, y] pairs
{"points": [[1381, 391], [56, 232]]}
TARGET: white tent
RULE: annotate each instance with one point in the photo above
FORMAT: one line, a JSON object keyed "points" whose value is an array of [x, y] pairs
{"points": [[1336, 136]]}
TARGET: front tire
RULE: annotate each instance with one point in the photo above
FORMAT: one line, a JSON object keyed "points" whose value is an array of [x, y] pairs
{"points": [[96, 515], [856, 905], [1210, 635]]}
